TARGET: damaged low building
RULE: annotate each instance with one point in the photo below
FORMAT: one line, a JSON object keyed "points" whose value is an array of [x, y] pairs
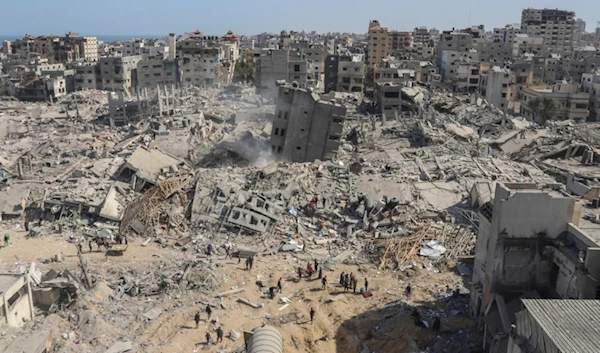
{"points": [[145, 167], [305, 127], [533, 242], [16, 304]]}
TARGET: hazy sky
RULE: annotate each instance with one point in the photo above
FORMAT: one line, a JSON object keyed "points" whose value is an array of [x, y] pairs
{"points": [[154, 17]]}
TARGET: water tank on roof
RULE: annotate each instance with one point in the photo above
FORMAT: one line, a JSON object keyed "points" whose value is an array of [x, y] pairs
{"points": [[266, 339], [295, 84]]}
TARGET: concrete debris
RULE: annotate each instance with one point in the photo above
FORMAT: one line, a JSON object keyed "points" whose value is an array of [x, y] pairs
{"points": [[201, 179]]}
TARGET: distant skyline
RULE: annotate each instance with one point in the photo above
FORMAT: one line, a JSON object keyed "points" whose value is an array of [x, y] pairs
{"points": [[157, 18]]}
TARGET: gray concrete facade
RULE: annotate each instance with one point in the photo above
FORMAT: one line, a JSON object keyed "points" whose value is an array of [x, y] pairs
{"points": [[305, 128]]}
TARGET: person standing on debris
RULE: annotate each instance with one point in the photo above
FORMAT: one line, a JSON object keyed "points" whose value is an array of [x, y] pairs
{"points": [[197, 319], [227, 253], [279, 288], [209, 249], [347, 280], [312, 315], [299, 273], [79, 247], [321, 272], [366, 285], [6, 239], [324, 282], [316, 265], [251, 261], [272, 292], [90, 244], [342, 279], [208, 338], [354, 282], [208, 312], [408, 291], [219, 334], [436, 324]]}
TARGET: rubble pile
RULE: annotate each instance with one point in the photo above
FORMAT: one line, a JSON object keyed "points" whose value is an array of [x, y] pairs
{"points": [[198, 179]]}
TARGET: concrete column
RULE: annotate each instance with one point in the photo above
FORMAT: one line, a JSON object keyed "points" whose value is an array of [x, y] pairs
{"points": [[160, 101], [383, 119]]}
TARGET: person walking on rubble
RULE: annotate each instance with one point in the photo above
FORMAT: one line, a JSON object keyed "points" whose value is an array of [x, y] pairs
{"points": [[208, 312], [366, 285], [279, 288], [227, 253], [316, 265], [354, 282], [219, 334], [197, 319], [251, 261], [324, 282], [208, 338], [342, 279], [6, 239], [79, 247], [90, 244], [209, 249], [299, 273], [312, 315]]}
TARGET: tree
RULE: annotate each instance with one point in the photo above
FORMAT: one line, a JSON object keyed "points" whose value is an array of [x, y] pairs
{"points": [[543, 109], [243, 72]]}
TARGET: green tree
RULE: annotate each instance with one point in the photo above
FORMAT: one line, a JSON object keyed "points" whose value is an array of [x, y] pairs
{"points": [[543, 109], [243, 72]]}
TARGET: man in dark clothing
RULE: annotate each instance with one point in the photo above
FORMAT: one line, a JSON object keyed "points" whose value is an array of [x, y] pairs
{"points": [[321, 272], [208, 338], [324, 282], [227, 253], [209, 249], [342, 279], [354, 285], [247, 264], [208, 311], [312, 315], [197, 319], [408, 290], [279, 287], [272, 292], [436, 324], [316, 265], [90, 244], [299, 272], [251, 261], [366, 285], [219, 334]]}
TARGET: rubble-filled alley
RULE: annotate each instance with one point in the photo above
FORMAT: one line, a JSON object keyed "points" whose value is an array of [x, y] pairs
{"points": [[127, 216]]}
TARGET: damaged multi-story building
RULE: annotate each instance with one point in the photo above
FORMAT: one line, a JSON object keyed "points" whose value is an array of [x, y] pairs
{"points": [[207, 60], [534, 241], [118, 73], [305, 127], [344, 73]]}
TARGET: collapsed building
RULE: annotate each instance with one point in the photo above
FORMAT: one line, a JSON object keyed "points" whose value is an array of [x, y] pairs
{"points": [[306, 127]]}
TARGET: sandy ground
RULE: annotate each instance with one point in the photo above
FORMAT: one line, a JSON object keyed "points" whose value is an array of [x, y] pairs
{"points": [[339, 326]]}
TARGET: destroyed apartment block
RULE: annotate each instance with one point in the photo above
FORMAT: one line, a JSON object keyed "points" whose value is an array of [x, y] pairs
{"points": [[229, 205], [534, 241], [305, 127], [146, 166]]}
